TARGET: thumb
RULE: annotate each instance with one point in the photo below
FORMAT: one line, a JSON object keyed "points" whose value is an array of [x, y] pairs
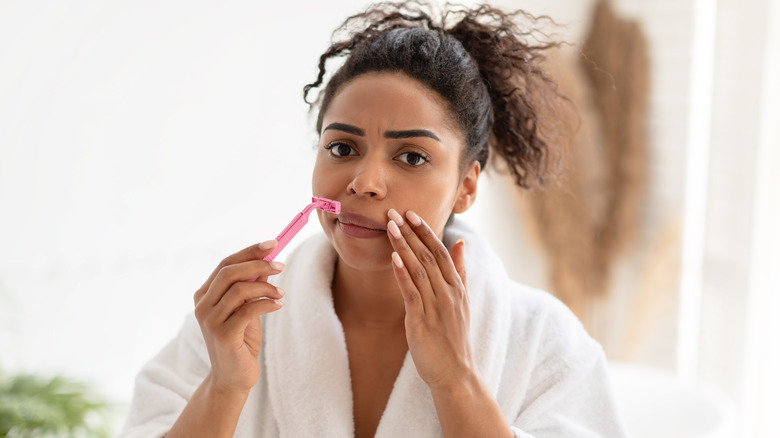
{"points": [[458, 254]]}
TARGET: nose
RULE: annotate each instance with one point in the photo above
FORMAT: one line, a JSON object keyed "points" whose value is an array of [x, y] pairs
{"points": [[369, 179]]}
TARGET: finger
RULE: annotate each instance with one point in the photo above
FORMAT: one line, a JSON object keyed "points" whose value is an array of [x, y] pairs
{"points": [[240, 319], [458, 255], [413, 303], [228, 275], [254, 252], [432, 251], [414, 267], [241, 293]]}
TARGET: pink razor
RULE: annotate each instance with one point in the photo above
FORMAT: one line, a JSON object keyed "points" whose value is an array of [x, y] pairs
{"points": [[300, 220]]}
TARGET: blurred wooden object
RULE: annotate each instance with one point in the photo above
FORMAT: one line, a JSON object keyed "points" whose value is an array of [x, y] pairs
{"points": [[586, 219], [654, 303], [616, 62]]}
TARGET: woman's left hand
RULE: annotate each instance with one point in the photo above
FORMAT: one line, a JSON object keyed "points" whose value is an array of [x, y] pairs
{"points": [[433, 283]]}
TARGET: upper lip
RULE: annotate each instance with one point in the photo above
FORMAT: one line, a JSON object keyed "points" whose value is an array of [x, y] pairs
{"points": [[360, 221]]}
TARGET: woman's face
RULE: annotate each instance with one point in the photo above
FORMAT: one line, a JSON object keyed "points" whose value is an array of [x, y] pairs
{"points": [[387, 142]]}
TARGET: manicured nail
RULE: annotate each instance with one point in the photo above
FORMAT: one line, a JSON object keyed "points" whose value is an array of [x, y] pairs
{"points": [[394, 230], [397, 260], [395, 217], [413, 218], [281, 291], [277, 266], [268, 244], [278, 303]]}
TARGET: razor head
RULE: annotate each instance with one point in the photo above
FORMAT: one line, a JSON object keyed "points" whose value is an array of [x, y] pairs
{"points": [[326, 204]]}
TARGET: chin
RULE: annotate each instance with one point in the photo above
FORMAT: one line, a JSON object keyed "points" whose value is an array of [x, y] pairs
{"points": [[362, 264], [362, 255]]}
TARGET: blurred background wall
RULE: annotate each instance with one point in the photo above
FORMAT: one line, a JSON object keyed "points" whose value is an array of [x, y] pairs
{"points": [[141, 142]]}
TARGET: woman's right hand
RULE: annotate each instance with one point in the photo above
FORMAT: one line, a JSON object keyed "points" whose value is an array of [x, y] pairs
{"points": [[228, 308]]}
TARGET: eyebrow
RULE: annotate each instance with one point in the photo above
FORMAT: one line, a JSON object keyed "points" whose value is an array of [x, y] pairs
{"points": [[346, 128], [410, 133]]}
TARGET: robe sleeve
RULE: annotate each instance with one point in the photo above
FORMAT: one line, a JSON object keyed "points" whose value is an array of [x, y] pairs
{"points": [[568, 388], [166, 383]]}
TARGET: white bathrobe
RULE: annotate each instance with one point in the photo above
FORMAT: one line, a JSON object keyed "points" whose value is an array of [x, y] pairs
{"points": [[548, 376]]}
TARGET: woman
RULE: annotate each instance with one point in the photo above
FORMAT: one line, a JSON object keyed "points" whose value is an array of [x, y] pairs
{"points": [[400, 321]]}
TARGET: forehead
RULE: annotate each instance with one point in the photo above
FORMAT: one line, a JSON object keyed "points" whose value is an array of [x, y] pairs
{"points": [[390, 101]]}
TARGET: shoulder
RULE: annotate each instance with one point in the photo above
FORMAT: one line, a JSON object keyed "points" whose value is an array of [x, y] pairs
{"points": [[539, 307], [536, 315], [542, 325]]}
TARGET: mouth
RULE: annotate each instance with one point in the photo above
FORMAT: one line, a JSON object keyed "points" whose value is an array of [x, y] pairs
{"points": [[359, 226]]}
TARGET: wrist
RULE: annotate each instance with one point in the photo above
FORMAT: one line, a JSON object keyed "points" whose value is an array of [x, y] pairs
{"points": [[465, 385], [223, 393], [212, 411], [467, 408]]}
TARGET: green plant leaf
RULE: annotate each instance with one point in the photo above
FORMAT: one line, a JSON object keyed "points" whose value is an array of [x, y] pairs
{"points": [[32, 406]]}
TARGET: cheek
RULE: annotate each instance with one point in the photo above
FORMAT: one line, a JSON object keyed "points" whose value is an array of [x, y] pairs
{"points": [[438, 218], [321, 179], [433, 205]]}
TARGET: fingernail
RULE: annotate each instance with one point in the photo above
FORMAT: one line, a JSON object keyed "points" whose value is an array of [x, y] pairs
{"points": [[394, 229], [395, 217], [278, 303], [281, 291], [277, 266], [268, 244], [397, 260], [413, 218]]}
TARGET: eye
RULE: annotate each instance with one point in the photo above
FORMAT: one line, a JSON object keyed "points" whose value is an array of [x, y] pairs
{"points": [[415, 159], [340, 149]]}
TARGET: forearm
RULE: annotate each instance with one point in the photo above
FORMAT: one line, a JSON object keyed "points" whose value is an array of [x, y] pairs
{"points": [[468, 409], [209, 413]]}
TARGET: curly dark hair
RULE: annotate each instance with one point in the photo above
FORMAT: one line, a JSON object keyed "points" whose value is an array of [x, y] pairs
{"points": [[486, 68]]}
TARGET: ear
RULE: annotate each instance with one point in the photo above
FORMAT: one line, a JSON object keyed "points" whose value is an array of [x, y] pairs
{"points": [[467, 191]]}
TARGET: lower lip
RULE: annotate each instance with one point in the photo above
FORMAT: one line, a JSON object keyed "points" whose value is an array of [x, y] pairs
{"points": [[360, 232]]}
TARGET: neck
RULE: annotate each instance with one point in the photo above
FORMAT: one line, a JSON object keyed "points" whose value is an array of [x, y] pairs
{"points": [[367, 298]]}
